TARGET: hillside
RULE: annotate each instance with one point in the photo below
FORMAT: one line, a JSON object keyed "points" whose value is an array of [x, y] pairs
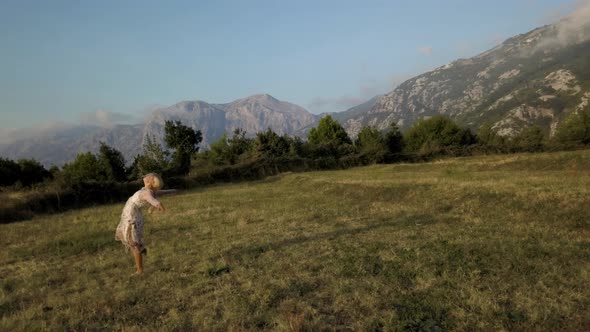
{"points": [[532, 79], [479, 243]]}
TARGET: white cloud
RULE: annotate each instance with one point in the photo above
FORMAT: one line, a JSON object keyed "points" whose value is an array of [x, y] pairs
{"points": [[571, 28], [105, 118], [426, 50]]}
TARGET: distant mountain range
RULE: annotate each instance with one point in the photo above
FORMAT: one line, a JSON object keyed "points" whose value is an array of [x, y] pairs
{"points": [[531, 79], [253, 114]]}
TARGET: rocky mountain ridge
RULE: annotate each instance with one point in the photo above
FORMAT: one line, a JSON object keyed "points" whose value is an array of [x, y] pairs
{"points": [[530, 79], [253, 114]]}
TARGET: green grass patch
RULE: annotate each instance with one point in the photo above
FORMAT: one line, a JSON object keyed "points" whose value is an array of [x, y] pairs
{"points": [[478, 243]]}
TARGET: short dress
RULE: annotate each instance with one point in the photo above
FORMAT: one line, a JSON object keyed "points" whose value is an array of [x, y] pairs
{"points": [[130, 228]]}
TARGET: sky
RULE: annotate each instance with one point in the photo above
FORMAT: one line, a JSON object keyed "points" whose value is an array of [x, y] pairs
{"points": [[107, 62]]}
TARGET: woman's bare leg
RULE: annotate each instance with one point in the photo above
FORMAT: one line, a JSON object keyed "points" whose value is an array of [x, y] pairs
{"points": [[138, 259]]}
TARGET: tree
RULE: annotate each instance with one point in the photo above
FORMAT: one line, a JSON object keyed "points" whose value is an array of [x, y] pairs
{"points": [[31, 172], [184, 141], [239, 145], [86, 167], [394, 139], [328, 139], [489, 139], [575, 129], [153, 159], [113, 162], [436, 133], [530, 139], [230, 150], [328, 131], [9, 172], [371, 143], [269, 144]]}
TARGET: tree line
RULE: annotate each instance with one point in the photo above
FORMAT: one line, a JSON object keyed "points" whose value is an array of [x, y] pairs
{"points": [[327, 146]]}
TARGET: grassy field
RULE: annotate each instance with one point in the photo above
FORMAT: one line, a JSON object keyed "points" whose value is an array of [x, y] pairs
{"points": [[482, 243]]}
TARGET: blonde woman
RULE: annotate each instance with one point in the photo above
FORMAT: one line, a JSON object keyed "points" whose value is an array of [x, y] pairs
{"points": [[130, 229]]}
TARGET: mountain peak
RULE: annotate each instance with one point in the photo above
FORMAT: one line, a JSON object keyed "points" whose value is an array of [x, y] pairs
{"points": [[261, 97]]}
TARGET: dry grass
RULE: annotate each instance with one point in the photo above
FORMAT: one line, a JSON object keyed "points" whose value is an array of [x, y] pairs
{"points": [[486, 243]]}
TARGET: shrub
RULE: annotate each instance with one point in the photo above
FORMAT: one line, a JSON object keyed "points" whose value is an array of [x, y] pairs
{"points": [[436, 133], [575, 129], [530, 139]]}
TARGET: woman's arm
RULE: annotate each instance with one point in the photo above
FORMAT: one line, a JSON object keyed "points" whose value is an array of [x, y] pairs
{"points": [[148, 196], [166, 192]]}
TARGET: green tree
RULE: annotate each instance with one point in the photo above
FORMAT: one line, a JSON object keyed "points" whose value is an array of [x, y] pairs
{"points": [[153, 159], [232, 150], [184, 141], [31, 172], [9, 172], [113, 162], [328, 140], [489, 139], [435, 134], [86, 167], [394, 140], [328, 131], [371, 143], [529, 139], [575, 129], [240, 146], [269, 144]]}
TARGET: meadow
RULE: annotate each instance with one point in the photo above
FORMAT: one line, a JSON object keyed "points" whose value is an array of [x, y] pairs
{"points": [[475, 243]]}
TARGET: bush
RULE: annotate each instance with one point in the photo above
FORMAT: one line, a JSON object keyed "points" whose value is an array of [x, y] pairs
{"points": [[575, 129], [436, 133], [529, 140]]}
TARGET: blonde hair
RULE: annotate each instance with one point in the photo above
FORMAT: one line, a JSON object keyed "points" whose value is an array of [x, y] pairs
{"points": [[153, 181]]}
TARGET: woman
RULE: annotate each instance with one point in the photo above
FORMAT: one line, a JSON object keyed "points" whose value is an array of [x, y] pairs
{"points": [[130, 229]]}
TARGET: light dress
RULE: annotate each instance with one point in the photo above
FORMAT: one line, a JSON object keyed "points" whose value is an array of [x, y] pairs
{"points": [[130, 229]]}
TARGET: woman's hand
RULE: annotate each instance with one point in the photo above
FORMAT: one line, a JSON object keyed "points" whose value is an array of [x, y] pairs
{"points": [[160, 207]]}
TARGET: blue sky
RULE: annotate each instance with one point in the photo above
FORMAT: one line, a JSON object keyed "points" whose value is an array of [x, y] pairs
{"points": [[76, 61]]}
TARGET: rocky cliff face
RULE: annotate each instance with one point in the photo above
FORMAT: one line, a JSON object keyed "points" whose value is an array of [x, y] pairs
{"points": [[531, 79], [252, 114]]}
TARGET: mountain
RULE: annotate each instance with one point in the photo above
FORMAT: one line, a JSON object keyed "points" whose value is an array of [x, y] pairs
{"points": [[62, 144], [56, 146], [253, 114], [531, 79]]}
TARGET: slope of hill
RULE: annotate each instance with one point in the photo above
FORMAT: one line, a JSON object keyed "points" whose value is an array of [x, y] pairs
{"points": [[469, 244], [534, 78]]}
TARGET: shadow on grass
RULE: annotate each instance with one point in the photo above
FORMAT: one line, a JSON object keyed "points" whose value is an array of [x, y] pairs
{"points": [[254, 251]]}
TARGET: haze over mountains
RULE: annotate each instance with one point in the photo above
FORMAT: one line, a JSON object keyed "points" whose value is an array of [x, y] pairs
{"points": [[55, 146], [531, 79]]}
